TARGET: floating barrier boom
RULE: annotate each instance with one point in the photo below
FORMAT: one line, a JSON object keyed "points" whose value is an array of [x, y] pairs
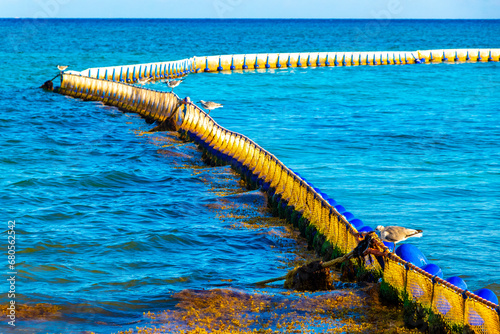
{"points": [[292, 196], [173, 69]]}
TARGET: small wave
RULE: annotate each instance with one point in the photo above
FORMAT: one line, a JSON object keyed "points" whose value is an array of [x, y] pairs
{"points": [[129, 246], [42, 246]]}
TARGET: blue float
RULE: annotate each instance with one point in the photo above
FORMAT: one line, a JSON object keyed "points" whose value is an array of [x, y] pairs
{"points": [[267, 62], [458, 282], [245, 66], [389, 245], [332, 202], [357, 223], [444, 57], [348, 215], [219, 68], [433, 269], [487, 294], [412, 254], [364, 229], [340, 209]]}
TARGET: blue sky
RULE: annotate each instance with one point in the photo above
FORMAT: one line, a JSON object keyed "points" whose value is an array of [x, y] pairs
{"points": [[488, 9]]}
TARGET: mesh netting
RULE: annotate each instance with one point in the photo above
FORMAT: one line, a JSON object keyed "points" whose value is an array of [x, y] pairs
{"points": [[448, 303], [482, 318], [419, 287]]}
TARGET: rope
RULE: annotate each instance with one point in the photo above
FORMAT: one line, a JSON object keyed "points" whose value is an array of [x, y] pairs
{"points": [[291, 273], [360, 250]]}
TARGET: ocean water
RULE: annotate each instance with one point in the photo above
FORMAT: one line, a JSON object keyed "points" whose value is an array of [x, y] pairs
{"points": [[112, 221]]}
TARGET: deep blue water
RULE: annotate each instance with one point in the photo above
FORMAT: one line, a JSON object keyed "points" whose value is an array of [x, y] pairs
{"points": [[111, 221]]}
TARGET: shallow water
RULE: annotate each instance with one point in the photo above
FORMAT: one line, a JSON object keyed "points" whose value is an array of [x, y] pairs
{"points": [[111, 222]]}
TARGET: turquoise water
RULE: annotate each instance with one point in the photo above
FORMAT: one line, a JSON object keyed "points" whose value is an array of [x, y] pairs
{"points": [[110, 222]]}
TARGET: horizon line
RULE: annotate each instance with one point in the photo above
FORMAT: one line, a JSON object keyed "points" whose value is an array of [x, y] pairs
{"points": [[242, 18]]}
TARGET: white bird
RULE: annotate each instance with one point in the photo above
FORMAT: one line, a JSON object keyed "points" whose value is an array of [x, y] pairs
{"points": [[210, 105], [143, 81], [397, 234], [61, 68], [173, 83]]}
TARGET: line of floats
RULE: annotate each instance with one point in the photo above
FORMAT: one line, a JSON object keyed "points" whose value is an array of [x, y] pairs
{"points": [[410, 254], [172, 69]]}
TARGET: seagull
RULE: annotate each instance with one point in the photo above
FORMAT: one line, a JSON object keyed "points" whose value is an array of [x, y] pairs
{"points": [[396, 234], [210, 105], [173, 83], [143, 81], [61, 68]]}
